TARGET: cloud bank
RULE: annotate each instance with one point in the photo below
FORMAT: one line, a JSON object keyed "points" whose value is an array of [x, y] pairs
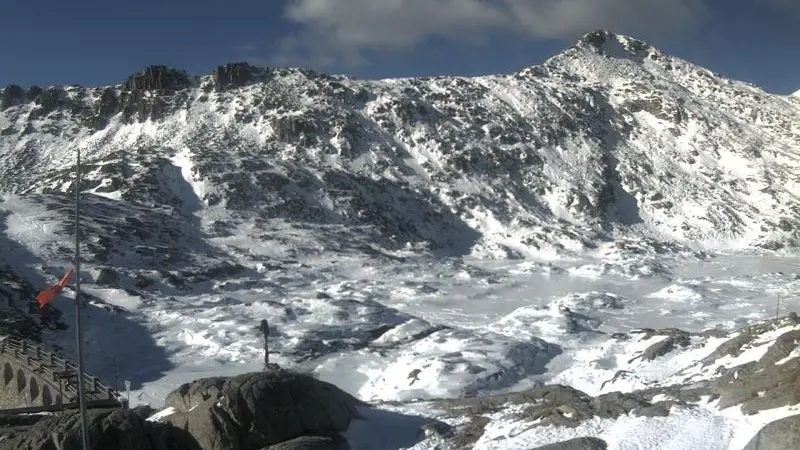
{"points": [[344, 32]]}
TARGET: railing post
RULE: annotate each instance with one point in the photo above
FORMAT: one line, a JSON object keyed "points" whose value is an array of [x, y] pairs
{"points": [[94, 384], [38, 352], [52, 360], [24, 346]]}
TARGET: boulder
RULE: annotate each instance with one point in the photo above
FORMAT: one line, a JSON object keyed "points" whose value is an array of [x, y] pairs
{"points": [[783, 434], [109, 429], [675, 339], [312, 443], [581, 443], [256, 410], [106, 276]]}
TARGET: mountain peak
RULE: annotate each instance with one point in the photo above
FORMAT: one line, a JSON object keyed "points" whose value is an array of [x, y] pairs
{"points": [[609, 138], [596, 38], [608, 43]]}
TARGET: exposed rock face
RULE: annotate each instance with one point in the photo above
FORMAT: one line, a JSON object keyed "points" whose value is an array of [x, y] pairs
{"points": [[563, 405], [158, 78], [12, 95], [117, 429], [757, 386], [235, 75], [255, 410], [581, 443], [135, 102], [132, 101], [50, 100], [783, 434], [33, 92], [675, 339], [106, 108]]}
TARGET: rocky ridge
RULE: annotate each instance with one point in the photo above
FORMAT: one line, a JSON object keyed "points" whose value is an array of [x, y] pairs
{"points": [[609, 138]]}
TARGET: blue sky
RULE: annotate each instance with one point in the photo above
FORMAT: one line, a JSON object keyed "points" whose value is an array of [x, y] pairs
{"points": [[98, 42]]}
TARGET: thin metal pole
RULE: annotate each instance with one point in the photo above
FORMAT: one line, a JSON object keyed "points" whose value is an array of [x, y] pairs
{"points": [[79, 328]]}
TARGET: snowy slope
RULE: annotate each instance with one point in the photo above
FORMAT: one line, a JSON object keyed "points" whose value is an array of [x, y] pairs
{"points": [[609, 138]]}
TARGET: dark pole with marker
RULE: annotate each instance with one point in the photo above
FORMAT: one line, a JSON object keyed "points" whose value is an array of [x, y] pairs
{"points": [[78, 312], [264, 327]]}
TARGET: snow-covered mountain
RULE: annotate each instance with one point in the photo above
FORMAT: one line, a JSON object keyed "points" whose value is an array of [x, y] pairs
{"points": [[610, 138], [602, 222]]}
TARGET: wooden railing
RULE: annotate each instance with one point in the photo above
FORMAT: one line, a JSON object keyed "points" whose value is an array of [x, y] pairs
{"points": [[49, 364]]}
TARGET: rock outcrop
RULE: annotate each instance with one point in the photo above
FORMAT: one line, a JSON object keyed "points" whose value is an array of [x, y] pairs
{"points": [[783, 434], [234, 75], [12, 95], [562, 405], [115, 429], [257, 410], [312, 443], [271, 410], [581, 443], [158, 78]]}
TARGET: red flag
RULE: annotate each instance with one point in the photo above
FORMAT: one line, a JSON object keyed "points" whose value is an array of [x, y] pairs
{"points": [[50, 293]]}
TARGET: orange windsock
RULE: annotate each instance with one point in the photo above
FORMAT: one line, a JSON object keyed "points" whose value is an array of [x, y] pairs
{"points": [[50, 293]]}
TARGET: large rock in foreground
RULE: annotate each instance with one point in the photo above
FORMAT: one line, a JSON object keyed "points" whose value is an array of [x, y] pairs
{"points": [[256, 410], [114, 429], [581, 443], [783, 434], [312, 443]]}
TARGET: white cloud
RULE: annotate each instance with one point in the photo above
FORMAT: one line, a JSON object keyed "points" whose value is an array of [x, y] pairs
{"points": [[336, 32]]}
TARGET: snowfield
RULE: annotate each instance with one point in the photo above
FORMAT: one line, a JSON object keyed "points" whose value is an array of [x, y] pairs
{"points": [[411, 328], [607, 221]]}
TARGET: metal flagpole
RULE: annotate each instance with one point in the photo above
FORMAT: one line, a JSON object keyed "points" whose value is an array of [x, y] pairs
{"points": [[79, 329]]}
